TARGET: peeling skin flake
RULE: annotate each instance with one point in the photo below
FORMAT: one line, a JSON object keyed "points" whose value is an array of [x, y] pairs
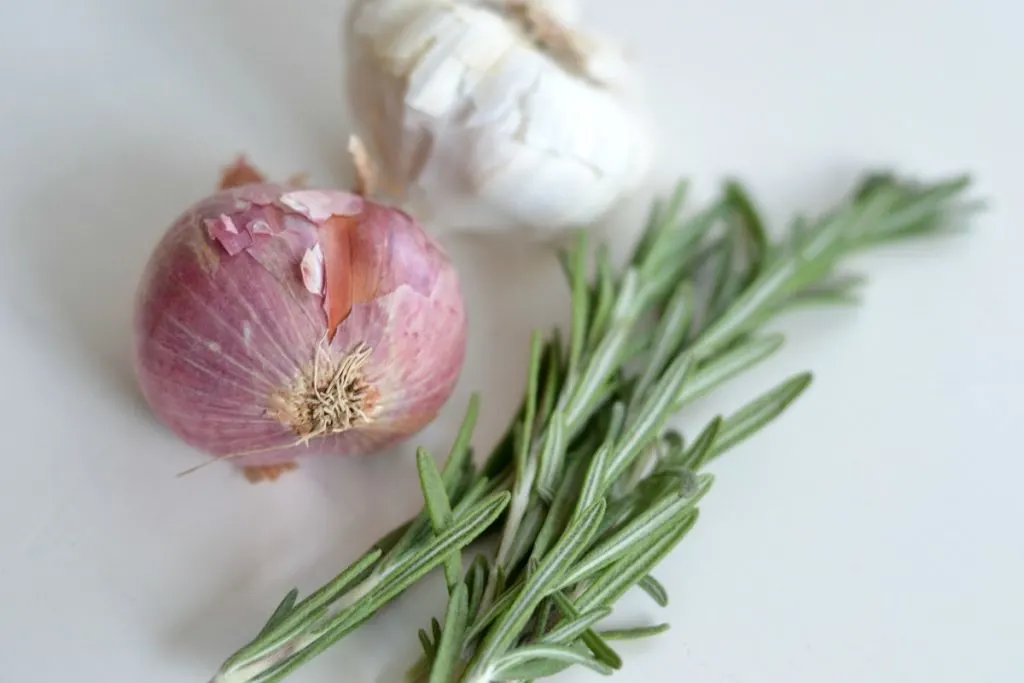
{"points": [[223, 230], [320, 206], [260, 228], [313, 269], [263, 194]]}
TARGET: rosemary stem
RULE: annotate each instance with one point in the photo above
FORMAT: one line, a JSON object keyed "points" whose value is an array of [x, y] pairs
{"points": [[592, 486]]}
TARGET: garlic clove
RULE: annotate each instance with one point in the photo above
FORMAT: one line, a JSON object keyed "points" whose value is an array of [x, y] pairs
{"points": [[478, 128]]}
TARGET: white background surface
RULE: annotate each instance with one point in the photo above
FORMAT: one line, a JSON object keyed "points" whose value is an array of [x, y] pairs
{"points": [[873, 534]]}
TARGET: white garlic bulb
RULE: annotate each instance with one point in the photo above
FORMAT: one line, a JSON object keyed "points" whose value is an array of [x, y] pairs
{"points": [[493, 115]]}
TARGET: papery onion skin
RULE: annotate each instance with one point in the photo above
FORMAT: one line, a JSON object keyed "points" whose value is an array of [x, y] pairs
{"points": [[225, 325]]}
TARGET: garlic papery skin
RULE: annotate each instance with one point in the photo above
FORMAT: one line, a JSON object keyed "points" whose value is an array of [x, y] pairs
{"points": [[478, 126]]}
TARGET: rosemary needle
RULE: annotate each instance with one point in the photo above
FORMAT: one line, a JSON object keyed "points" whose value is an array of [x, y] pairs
{"points": [[591, 487]]}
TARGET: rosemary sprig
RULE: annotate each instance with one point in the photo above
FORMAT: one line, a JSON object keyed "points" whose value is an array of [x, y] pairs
{"points": [[591, 485]]}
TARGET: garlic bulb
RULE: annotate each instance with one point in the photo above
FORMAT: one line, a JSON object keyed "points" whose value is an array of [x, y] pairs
{"points": [[494, 115]]}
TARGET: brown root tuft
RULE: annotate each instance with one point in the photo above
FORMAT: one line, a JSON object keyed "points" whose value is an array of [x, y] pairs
{"points": [[331, 397], [263, 473]]}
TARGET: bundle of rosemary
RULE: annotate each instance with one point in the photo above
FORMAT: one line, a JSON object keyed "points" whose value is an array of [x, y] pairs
{"points": [[591, 487]]}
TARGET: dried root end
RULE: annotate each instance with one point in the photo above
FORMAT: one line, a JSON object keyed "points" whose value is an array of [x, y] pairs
{"points": [[330, 398], [298, 181], [239, 173], [263, 473]]}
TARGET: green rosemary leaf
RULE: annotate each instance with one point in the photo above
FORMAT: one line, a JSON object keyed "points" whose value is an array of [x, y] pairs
{"points": [[500, 606], [606, 357], [526, 467], [456, 536], [415, 532], [427, 645], [818, 257], [597, 403], [268, 644], [580, 303], [594, 483], [387, 543], [604, 295], [642, 465], [601, 650], [718, 370], [460, 456], [620, 543], [456, 472], [667, 259], [572, 629], [616, 421], [837, 290], [507, 627], [533, 379], [651, 417], [476, 584], [526, 535], [629, 570], [467, 479], [673, 481], [514, 665], [701, 451], [552, 458], [745, 312], [535, 669], [561, 509], [672, 442], [653, 588], [299, 617], [481, 487], [439, 509], [403, 575], [522, 501], [552, 371], [449, 646], [282, 611], [667, 482], [704, 483], [758, 413], [619, 511], [635, 633], [728, 276], [664, 216], [500, 578], [873, 182], [808, 262], [435, 628], [542, 620], [668, 335], [921, 212], [753, 230]]}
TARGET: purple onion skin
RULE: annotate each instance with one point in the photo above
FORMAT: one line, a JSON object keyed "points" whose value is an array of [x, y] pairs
{"points": [[217, 334]]}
